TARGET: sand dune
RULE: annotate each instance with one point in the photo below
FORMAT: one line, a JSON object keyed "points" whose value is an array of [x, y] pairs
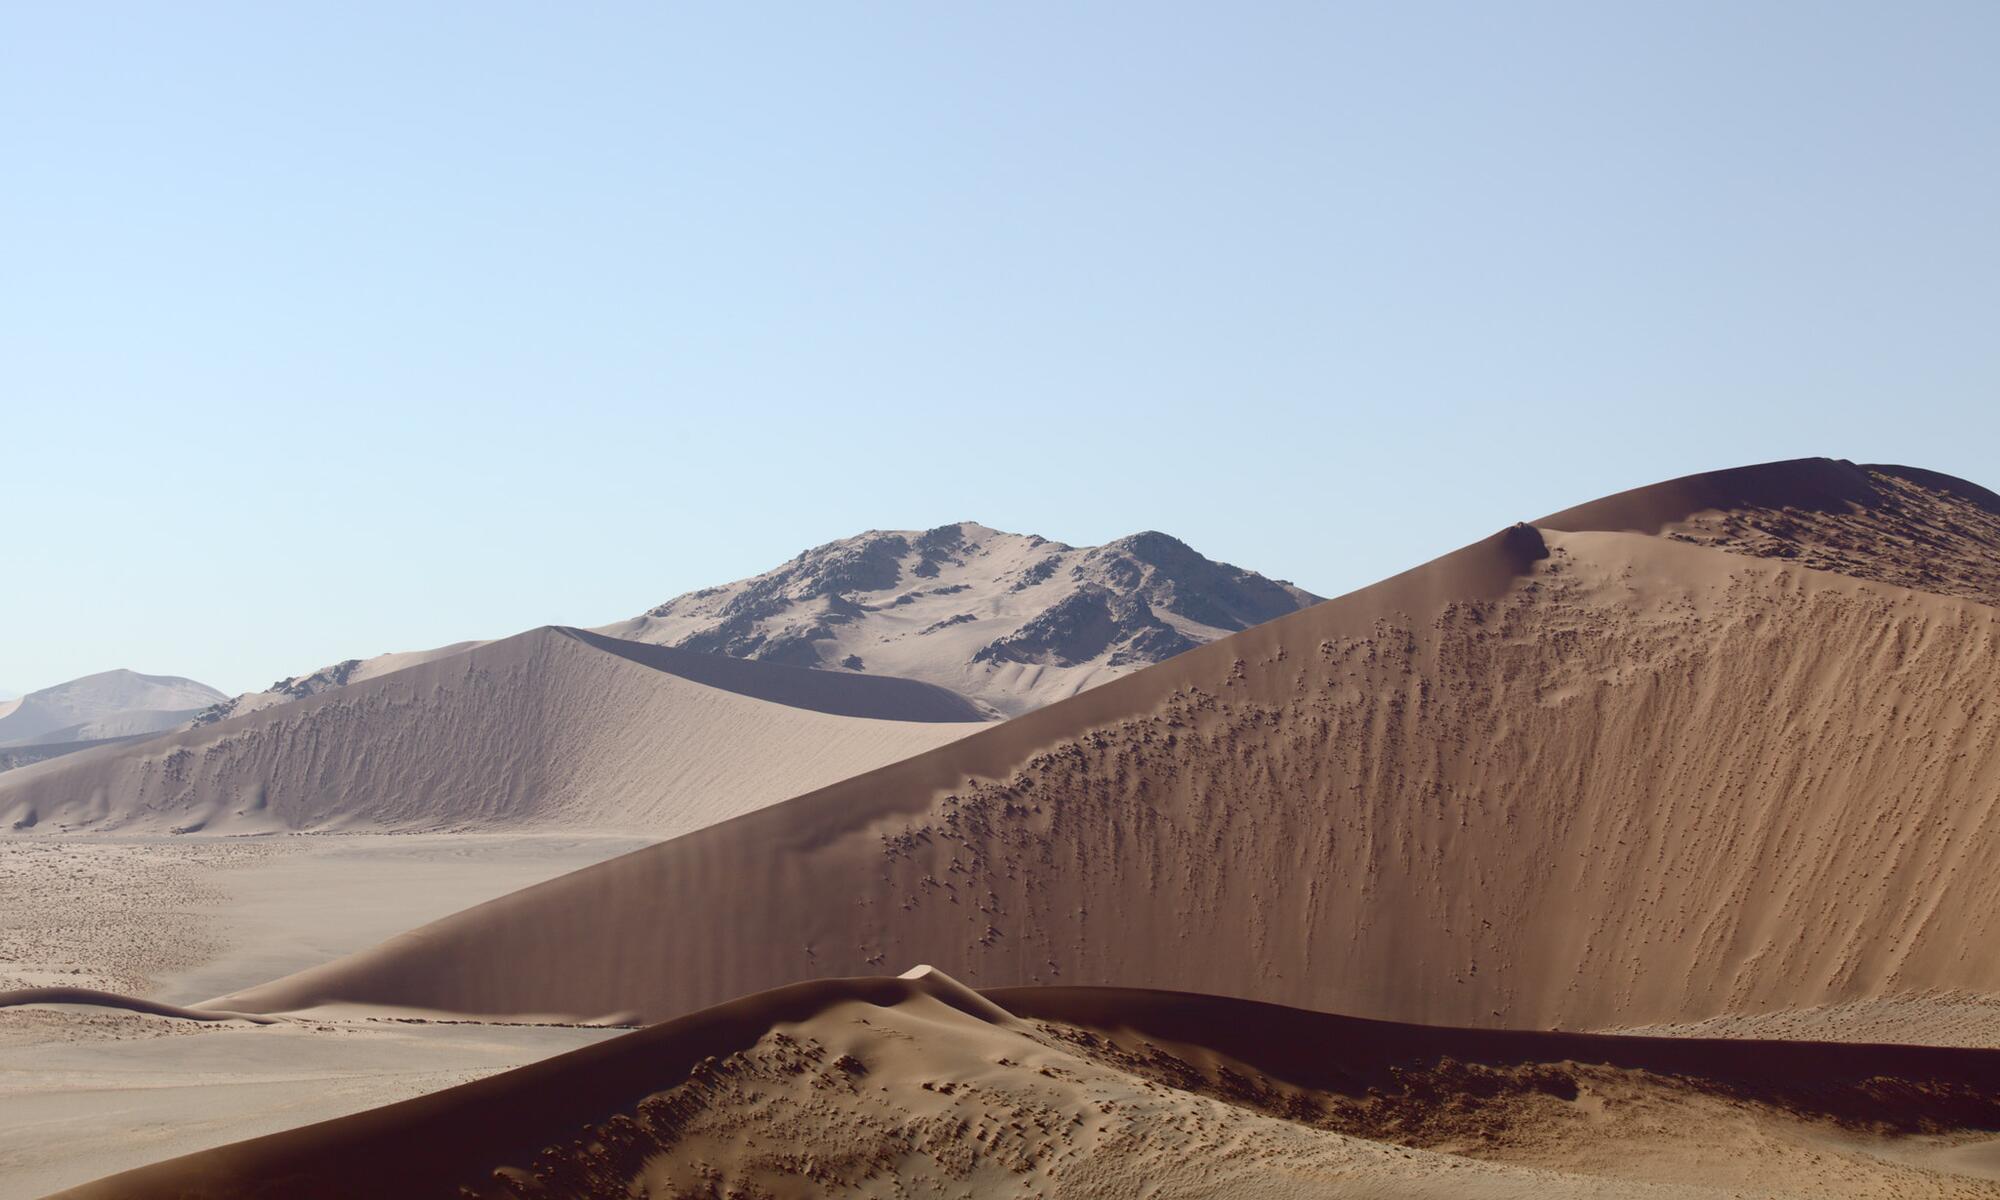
{"points": [[553, 727], [1569, 778], [919, 1086]]}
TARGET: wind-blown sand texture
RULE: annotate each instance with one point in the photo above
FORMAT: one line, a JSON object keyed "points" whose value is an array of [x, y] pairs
{"points": [[1572, 778], [920, 1087], [1013, 621], [551, 728]]}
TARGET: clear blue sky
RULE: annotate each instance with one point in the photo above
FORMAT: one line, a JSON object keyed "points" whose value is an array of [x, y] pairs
{"points": [[330, 330]]}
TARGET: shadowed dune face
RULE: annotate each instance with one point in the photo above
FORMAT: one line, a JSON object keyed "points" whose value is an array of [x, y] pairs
{"points": [[552, 727], [918, 1086], [1574, 779]]}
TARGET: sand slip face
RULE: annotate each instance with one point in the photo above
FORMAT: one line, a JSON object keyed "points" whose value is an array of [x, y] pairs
{"points": [[551, 729], [1558, 779], [919, 1087]]}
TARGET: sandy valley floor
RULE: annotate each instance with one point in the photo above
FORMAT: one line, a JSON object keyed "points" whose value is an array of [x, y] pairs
{"points": [[87, 1091]]}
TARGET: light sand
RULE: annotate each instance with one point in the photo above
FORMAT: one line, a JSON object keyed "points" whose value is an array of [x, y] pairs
{"points": [[85, 1093], [180, 919], [918, 1087], [1578, 779], [552, 729], [86, 1090]]}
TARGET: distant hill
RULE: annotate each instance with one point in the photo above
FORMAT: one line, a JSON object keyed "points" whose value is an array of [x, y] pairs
{"points": [[97, 708], [1012, 620]]}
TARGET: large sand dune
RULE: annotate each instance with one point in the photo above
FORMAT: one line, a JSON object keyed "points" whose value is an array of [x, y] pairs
{"points": [[1571, 776], [921, 1087], [551, 728]]}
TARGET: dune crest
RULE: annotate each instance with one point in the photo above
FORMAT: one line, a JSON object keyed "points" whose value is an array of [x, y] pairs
{"points": [[1898, 525]]}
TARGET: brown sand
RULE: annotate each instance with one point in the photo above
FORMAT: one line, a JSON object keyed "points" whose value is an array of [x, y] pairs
{"points": [[555, 728], [1581, 779], [920, 1087]]}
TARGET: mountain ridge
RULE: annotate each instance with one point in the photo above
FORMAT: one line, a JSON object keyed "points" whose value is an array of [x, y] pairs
{"points": [[1011, 620]]}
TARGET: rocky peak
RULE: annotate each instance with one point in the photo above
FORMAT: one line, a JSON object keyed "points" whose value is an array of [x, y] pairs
{"points": [[1009, 619]]}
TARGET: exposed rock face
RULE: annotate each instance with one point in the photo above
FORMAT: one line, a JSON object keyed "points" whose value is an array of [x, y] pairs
{"points": [[1013, 621]]}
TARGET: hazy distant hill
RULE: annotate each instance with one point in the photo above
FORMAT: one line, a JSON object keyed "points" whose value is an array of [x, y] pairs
{"points": [[108, 705]]}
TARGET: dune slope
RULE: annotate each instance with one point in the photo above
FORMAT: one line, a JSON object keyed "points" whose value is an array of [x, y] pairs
{"points": [[1574, 779], [554, 727], [919, 1086]]}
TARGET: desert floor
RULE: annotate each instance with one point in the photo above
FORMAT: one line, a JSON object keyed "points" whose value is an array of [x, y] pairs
{"points": [[86, 1091]]}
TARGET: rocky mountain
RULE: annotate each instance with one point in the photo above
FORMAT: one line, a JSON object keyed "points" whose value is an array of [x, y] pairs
{"points": [[1013, 621], [108, 705]]}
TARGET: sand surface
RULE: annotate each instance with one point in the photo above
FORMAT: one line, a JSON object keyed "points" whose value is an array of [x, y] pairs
{"points": [[1574, 779], [184, 919], [87, 1090], [85, 1093], [918, 1087]]}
